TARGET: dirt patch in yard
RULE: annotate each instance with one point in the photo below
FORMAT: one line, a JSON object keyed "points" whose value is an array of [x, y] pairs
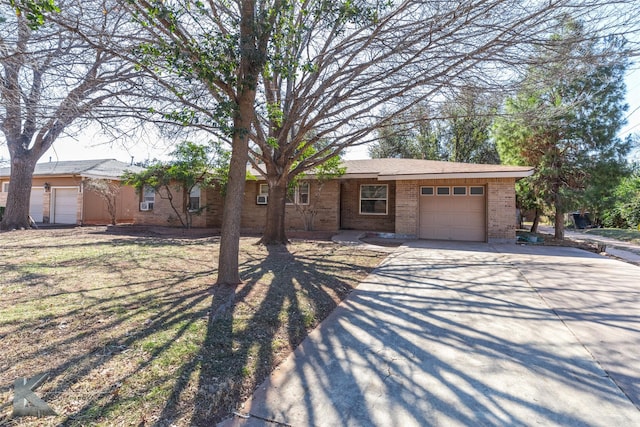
{"points": [[132, 331]]}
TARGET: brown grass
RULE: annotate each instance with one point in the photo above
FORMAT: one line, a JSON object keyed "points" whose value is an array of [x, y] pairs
{"points": [[132, 331]]}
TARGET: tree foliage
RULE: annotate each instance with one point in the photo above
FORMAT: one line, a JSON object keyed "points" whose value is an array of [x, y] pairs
{"points": [[565, 119], [457, 130], [278, 76], [623, 207], [51, 82], [192, 166]]}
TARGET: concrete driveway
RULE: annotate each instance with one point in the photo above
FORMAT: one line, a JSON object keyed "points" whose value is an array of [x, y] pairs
{"points": [[469, 334]]}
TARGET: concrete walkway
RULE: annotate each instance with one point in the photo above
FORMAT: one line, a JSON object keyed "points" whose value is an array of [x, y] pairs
{"points": [[457, 334], [626, 251]]}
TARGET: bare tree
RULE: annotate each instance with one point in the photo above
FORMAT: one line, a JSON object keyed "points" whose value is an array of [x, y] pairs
{"points": [[277, 77], [108, 191], [51, 82]]}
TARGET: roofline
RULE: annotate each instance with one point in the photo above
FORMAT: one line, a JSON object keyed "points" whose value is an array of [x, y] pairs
{"points": [[457, 175], [112, 178], [72, 175]]}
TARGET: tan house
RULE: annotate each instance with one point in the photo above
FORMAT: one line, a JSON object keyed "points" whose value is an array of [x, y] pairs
{"points": [[58, 194], [410, 198]]}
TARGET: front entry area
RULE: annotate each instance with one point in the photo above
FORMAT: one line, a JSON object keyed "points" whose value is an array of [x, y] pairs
{"points": [[453, 213]]}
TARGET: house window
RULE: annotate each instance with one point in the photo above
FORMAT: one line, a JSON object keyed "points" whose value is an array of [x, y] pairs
{"points": [[263, 194], [5, 187], [459, 191], [476, 191], [442, 191], [426, 191], [299, 194], [194, 198], [373, 199], [148, 196]]}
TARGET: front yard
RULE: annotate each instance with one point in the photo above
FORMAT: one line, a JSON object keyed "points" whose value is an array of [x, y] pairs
{"points": [[132, 331]]}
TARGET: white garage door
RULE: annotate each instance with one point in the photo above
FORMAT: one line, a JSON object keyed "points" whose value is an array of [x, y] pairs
{"points": [[453, 213], [65, 205], [36, 205]]}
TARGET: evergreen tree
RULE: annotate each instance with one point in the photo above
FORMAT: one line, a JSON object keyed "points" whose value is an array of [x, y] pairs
{"points": [[565, 118]]}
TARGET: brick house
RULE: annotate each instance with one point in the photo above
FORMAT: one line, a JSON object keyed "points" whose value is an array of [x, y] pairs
{"points": [[413, 198], [58, 194]]}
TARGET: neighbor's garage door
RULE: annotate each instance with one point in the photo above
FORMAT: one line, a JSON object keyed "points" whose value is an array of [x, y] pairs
{"points": [[36, 205], [453, 213], [65, 205]]}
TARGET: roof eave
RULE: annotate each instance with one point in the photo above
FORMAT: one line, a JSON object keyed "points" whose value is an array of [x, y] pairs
{"points": [[457, 175], [360, 176]]}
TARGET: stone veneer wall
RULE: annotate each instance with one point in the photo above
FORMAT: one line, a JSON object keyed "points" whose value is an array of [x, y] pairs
{"points": [[500, 197]]}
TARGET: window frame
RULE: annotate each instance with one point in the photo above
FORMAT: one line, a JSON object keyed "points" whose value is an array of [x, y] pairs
{"points": [[145, 197], [438, 193], [453, 192], [425, 187], [195, 189], [386, 199], [5, 186], [294, 195], [471, 193]]}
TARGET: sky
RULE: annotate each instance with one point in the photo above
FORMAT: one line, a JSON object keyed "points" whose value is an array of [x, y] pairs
{"points": [[90, 144]]}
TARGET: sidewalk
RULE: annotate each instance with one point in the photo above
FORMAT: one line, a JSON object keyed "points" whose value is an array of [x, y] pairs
{"points": [[624, 250]]}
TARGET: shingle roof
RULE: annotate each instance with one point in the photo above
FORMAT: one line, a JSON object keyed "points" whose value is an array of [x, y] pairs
{"points": [[102, 168], [399, 169]]}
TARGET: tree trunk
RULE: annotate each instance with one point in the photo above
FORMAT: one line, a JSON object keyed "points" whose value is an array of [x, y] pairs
{"points": [[228, 266], [536, 221], [16, 214], [252, 60], [274, 230], [559, 218]]}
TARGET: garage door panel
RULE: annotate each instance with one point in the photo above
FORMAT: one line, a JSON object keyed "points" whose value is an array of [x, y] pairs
{"points": [[36, 204], [453, 217], [65, 205]]}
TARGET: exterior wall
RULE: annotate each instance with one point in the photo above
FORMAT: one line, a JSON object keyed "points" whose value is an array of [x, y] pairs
{"points": [[163, 214], [501, 205], [351, 219], [57, 182], [212, 199], [501, 210], [95, 207], [323, 207]]}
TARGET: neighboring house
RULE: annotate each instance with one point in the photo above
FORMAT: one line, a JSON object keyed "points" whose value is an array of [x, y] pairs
{"points": [[58, 195], [411, 198]]}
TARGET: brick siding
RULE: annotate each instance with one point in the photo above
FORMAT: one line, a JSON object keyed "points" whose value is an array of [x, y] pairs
{"points": [[500, 198], [352, 219]]}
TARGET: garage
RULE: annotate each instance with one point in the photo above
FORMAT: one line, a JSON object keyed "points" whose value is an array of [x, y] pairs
{"points": [[453, 213], [64, 205], [36, 204]]}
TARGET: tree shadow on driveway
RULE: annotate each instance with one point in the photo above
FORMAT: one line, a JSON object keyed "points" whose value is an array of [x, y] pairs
{"points": [[443, 335]]}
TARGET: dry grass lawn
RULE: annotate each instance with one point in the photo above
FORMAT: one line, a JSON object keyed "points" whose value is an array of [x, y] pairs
{"points": [[132, 331]]}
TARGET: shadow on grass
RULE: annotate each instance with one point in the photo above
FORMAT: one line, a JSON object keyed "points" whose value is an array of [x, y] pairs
{"points": [[251, 330], [161, 346]]}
